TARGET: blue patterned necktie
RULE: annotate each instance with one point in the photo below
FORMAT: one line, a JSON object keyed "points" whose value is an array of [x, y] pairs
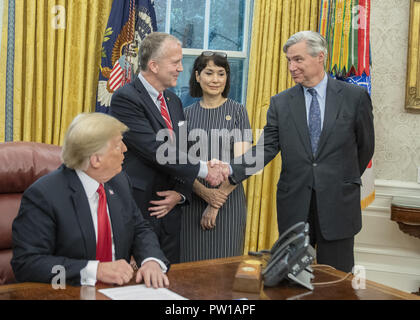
{"points": [[314, 121]]}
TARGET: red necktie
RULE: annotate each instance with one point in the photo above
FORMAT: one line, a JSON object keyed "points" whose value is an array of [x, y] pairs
{"points": [[104, 244], [164, 112]]}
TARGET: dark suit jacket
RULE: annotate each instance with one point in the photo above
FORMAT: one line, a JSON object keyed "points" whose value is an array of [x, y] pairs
{"points": [[345, 148], [133, 106], [54, 227]]}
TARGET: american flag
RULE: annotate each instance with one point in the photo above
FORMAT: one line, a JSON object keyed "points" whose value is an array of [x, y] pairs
{"points": [[117, 77], [128, 24]]}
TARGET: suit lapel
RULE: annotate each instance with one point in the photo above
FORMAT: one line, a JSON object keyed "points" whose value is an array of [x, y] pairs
{"points": [[148, 102], [114, 207], [175, 117], [82, 211], [333, 103], [298, 111]]}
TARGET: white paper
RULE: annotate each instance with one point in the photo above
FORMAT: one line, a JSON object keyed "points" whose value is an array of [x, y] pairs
{"points": [[140, 292]]}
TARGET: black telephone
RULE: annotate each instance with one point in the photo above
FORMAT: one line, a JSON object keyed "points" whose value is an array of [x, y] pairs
{"points": [[291, 257]]}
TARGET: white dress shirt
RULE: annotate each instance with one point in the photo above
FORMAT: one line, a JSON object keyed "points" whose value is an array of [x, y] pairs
{"points": [[88, 273]]}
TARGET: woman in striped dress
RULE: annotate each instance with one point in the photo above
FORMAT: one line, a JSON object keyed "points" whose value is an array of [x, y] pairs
{"points": [[213, 225]]}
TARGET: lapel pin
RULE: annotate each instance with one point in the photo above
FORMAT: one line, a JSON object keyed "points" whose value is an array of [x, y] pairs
{"points": [[111, 192], [228, 117]]}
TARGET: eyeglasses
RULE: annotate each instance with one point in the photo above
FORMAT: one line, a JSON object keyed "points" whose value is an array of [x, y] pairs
{"points": [[213, 53]]}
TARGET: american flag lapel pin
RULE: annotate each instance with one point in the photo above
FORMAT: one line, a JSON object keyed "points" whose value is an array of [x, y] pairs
{"points": [[111, 192]]}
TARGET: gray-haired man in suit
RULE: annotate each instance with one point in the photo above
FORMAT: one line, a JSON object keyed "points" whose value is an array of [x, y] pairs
{"points": [[324, 131]]}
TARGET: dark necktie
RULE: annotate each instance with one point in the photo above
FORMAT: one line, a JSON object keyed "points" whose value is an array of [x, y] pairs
{"points": [[314, 121], [104, 244], [164, 112]]}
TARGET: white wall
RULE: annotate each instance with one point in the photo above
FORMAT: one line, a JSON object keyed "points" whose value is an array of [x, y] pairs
{"points": [[390, 256], [397, 150]]}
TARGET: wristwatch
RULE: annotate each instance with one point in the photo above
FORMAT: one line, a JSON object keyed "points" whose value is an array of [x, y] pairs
{"points": [[232, 180], [183, 198]]}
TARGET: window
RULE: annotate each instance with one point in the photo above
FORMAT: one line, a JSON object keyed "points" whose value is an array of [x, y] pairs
{"points": [[219, 25]]}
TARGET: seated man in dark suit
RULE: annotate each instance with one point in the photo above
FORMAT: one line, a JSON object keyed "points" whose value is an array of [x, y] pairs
{"points": [[83, 218]]}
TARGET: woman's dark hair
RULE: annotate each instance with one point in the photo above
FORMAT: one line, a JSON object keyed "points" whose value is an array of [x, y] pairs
{"points": [[220, 60]]}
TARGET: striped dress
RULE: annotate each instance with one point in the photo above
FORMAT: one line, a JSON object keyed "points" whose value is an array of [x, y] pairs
{"points": [[227, 237]]}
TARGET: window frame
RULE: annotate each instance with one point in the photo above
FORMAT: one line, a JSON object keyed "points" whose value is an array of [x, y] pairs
{"points": [[242, 55]]}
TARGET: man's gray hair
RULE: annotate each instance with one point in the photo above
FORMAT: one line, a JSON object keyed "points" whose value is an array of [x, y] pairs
{"points": [[151, 47], [314, 42]]}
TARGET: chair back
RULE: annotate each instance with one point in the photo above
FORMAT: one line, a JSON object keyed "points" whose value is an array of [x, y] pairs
{"points": [[21, 164]]}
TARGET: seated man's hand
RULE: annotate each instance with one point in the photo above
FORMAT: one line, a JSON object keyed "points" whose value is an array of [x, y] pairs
{"points": [[115, 272], [152, 275]]}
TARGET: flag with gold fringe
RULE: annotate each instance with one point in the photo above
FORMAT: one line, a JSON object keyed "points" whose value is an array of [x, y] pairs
{"points": [[129, 22], [345, 24]]}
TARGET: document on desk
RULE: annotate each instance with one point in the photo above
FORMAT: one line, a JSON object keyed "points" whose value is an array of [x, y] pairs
{"points": [[140, 292]]}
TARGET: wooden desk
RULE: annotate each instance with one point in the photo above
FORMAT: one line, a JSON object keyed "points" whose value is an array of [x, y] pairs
{"points": [[213, 280], [406, 212]]}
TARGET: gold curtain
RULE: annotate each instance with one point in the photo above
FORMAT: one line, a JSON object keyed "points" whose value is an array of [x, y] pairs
{"points": [[3, 66], [56, 64], [273, 23]]}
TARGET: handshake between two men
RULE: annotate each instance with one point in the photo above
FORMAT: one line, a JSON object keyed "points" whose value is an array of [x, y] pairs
{"points": [[218, 171]]}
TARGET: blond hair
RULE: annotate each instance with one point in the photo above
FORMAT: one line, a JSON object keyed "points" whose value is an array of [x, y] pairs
{"points": [[89, 133]]}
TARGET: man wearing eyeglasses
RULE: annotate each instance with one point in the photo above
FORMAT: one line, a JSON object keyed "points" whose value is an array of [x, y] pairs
{"points": [[147, 108]]}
